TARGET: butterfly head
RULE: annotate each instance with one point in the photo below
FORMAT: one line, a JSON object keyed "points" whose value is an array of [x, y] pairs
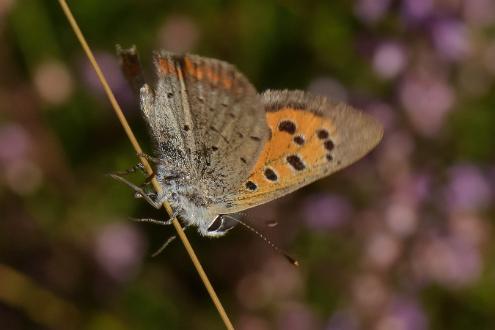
{"points": [[195, 209], [218, 227]]}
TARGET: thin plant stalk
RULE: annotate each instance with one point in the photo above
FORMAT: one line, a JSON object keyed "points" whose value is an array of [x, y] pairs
{"points": [[144, 161]]}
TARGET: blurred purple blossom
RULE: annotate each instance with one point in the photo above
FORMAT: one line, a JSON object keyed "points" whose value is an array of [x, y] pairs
{"points": [[384, 113], [53, 82], [369, 292], [479, 12], [284, 280], [254, 291], [111, 68], [382, 250], [23, 176], [396, 151], [325, 212], [401, 214], [119, 249], [403, 314], [252, 322], [15, 142], [371, 11], [178, 34], [389, 59], [468, 189], [277, 280], [420, 187], [426, 100], [401, 218], [451, 39], [417, 10], [342, 320], [470, 228], [448, 261], [296, 316]]}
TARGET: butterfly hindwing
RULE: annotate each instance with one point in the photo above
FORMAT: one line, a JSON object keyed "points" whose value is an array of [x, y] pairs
{"points": [[311, 137], [220, 121]]}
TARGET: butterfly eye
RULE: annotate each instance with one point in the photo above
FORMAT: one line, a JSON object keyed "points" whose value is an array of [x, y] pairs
{"points": [[215, 225], [221, 225]]}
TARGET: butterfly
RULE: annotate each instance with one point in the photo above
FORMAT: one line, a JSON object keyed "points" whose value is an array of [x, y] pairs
{"points": [[220, 147]]}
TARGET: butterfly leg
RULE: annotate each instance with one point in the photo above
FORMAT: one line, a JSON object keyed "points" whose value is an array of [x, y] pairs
{"points": [[153, 221], [138, 167], [161, 223], [157, 222], [149, 158], [131, 67], [167, 242], [157, 203]]}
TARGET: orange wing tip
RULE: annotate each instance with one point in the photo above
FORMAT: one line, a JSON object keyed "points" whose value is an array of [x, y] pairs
{"points": [[165, 62]]}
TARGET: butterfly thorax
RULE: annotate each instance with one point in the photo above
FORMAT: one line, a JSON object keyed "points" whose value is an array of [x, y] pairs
{"points": [[189, 197]]}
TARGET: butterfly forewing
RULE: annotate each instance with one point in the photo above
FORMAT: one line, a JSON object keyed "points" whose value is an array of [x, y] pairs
{"points": [[222, 121], [311, 137]]}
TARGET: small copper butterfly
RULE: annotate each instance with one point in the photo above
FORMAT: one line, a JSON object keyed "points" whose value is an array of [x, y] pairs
{"points": [[219, 147]]}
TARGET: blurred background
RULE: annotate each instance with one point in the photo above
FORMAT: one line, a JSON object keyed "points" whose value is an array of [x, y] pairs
{"points": [[402, 240]]}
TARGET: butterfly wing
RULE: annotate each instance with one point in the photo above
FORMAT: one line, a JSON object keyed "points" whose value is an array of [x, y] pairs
{"points": [[221, 119], [311, 137]]}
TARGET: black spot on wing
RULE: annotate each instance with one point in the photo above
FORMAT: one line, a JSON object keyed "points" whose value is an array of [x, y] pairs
{"points": [[251, 185], [322, 134], [287, 126], [270, 174], [329, 145], [296, 162], [299, 140]]}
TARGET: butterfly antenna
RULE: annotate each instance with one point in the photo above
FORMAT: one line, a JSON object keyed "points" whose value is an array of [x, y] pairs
{"points": [[267, 241]]}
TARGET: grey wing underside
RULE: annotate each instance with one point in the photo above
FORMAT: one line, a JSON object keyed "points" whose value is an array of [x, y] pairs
{"points": [[355, 134], [206, 117]]}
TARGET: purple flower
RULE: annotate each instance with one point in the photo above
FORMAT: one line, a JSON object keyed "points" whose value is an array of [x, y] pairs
{"points": [[296, 316], [382, 250], [467, 190], [111, 68], [384, 113], [403, 314], [389, 60], [15, 142], [119, 249], [417, 10], [451, 39], [342, 320], [448, 260], [479, 12], [324, 212], [178, 34], [53, 82], [426, 100], [371, 11]]}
